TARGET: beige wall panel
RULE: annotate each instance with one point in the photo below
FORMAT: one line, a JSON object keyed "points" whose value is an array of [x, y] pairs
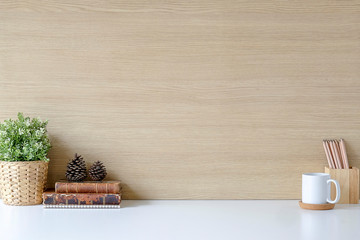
{"points": [[191, 100]]}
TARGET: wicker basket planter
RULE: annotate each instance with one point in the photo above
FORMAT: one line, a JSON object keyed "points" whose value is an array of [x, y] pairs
{"points": [[22, 183]]}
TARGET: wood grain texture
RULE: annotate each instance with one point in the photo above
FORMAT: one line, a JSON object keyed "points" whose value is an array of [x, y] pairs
{"points": [[309, 206], [187, 100], [349, 184]]}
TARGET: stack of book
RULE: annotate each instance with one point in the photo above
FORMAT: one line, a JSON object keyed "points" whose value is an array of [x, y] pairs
{"points": [[88, 194]]}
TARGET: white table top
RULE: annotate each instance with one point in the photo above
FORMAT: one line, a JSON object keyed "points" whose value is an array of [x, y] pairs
{"points": [[182, 219]]}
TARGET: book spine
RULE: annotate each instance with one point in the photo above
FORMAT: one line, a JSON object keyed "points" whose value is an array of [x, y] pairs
{"points": [[81, 206], [63, 187], [81, 199]]}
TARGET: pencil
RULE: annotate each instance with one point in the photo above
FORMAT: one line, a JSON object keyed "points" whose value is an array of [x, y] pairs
{"points": [[346, 161], [337, 154], [332, 158], [337, 145], [327, 155]]}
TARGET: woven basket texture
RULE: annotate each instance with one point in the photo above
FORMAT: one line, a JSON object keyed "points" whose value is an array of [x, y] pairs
{"points": [[23, 183]]}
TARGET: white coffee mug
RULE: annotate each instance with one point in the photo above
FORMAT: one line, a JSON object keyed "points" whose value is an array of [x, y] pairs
{"points": [[316, 188]]}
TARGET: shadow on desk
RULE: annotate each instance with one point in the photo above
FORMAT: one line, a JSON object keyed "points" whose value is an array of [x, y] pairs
{"points": [[349, 207], [134, 203]]}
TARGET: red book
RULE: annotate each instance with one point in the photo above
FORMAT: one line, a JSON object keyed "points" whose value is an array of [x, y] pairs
{"points": [[88, 187]]}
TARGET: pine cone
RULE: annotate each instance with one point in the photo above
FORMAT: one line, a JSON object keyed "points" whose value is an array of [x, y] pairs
{"points": [[76, 169], [97, 171]]}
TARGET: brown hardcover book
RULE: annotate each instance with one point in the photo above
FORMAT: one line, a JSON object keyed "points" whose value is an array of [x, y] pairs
{"points": [[52, 198], [88, 187]]}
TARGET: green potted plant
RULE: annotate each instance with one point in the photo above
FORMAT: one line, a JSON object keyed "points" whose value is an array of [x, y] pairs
{"points": [[24, 145]]}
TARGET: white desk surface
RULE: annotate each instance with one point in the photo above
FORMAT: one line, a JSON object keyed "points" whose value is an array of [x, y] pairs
{"points": [[182, 219]]}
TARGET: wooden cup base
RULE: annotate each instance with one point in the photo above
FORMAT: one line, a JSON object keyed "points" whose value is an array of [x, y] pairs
{"points": [[326, 206]]}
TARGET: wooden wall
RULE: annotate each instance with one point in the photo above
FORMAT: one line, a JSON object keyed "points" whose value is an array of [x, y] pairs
{"points": [[187, 99]]}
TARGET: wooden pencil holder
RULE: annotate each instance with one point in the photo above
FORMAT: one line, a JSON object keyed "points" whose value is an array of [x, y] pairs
{"points": [[349, 184]]}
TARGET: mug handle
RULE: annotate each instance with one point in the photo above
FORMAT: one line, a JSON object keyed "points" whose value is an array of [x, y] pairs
{"points": [[337, 186]]}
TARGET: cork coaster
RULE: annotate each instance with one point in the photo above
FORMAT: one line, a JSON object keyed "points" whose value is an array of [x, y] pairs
{"points": [[326, 206]]}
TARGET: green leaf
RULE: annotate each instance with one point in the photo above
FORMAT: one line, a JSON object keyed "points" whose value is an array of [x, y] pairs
{"points": [[24, 139]]}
